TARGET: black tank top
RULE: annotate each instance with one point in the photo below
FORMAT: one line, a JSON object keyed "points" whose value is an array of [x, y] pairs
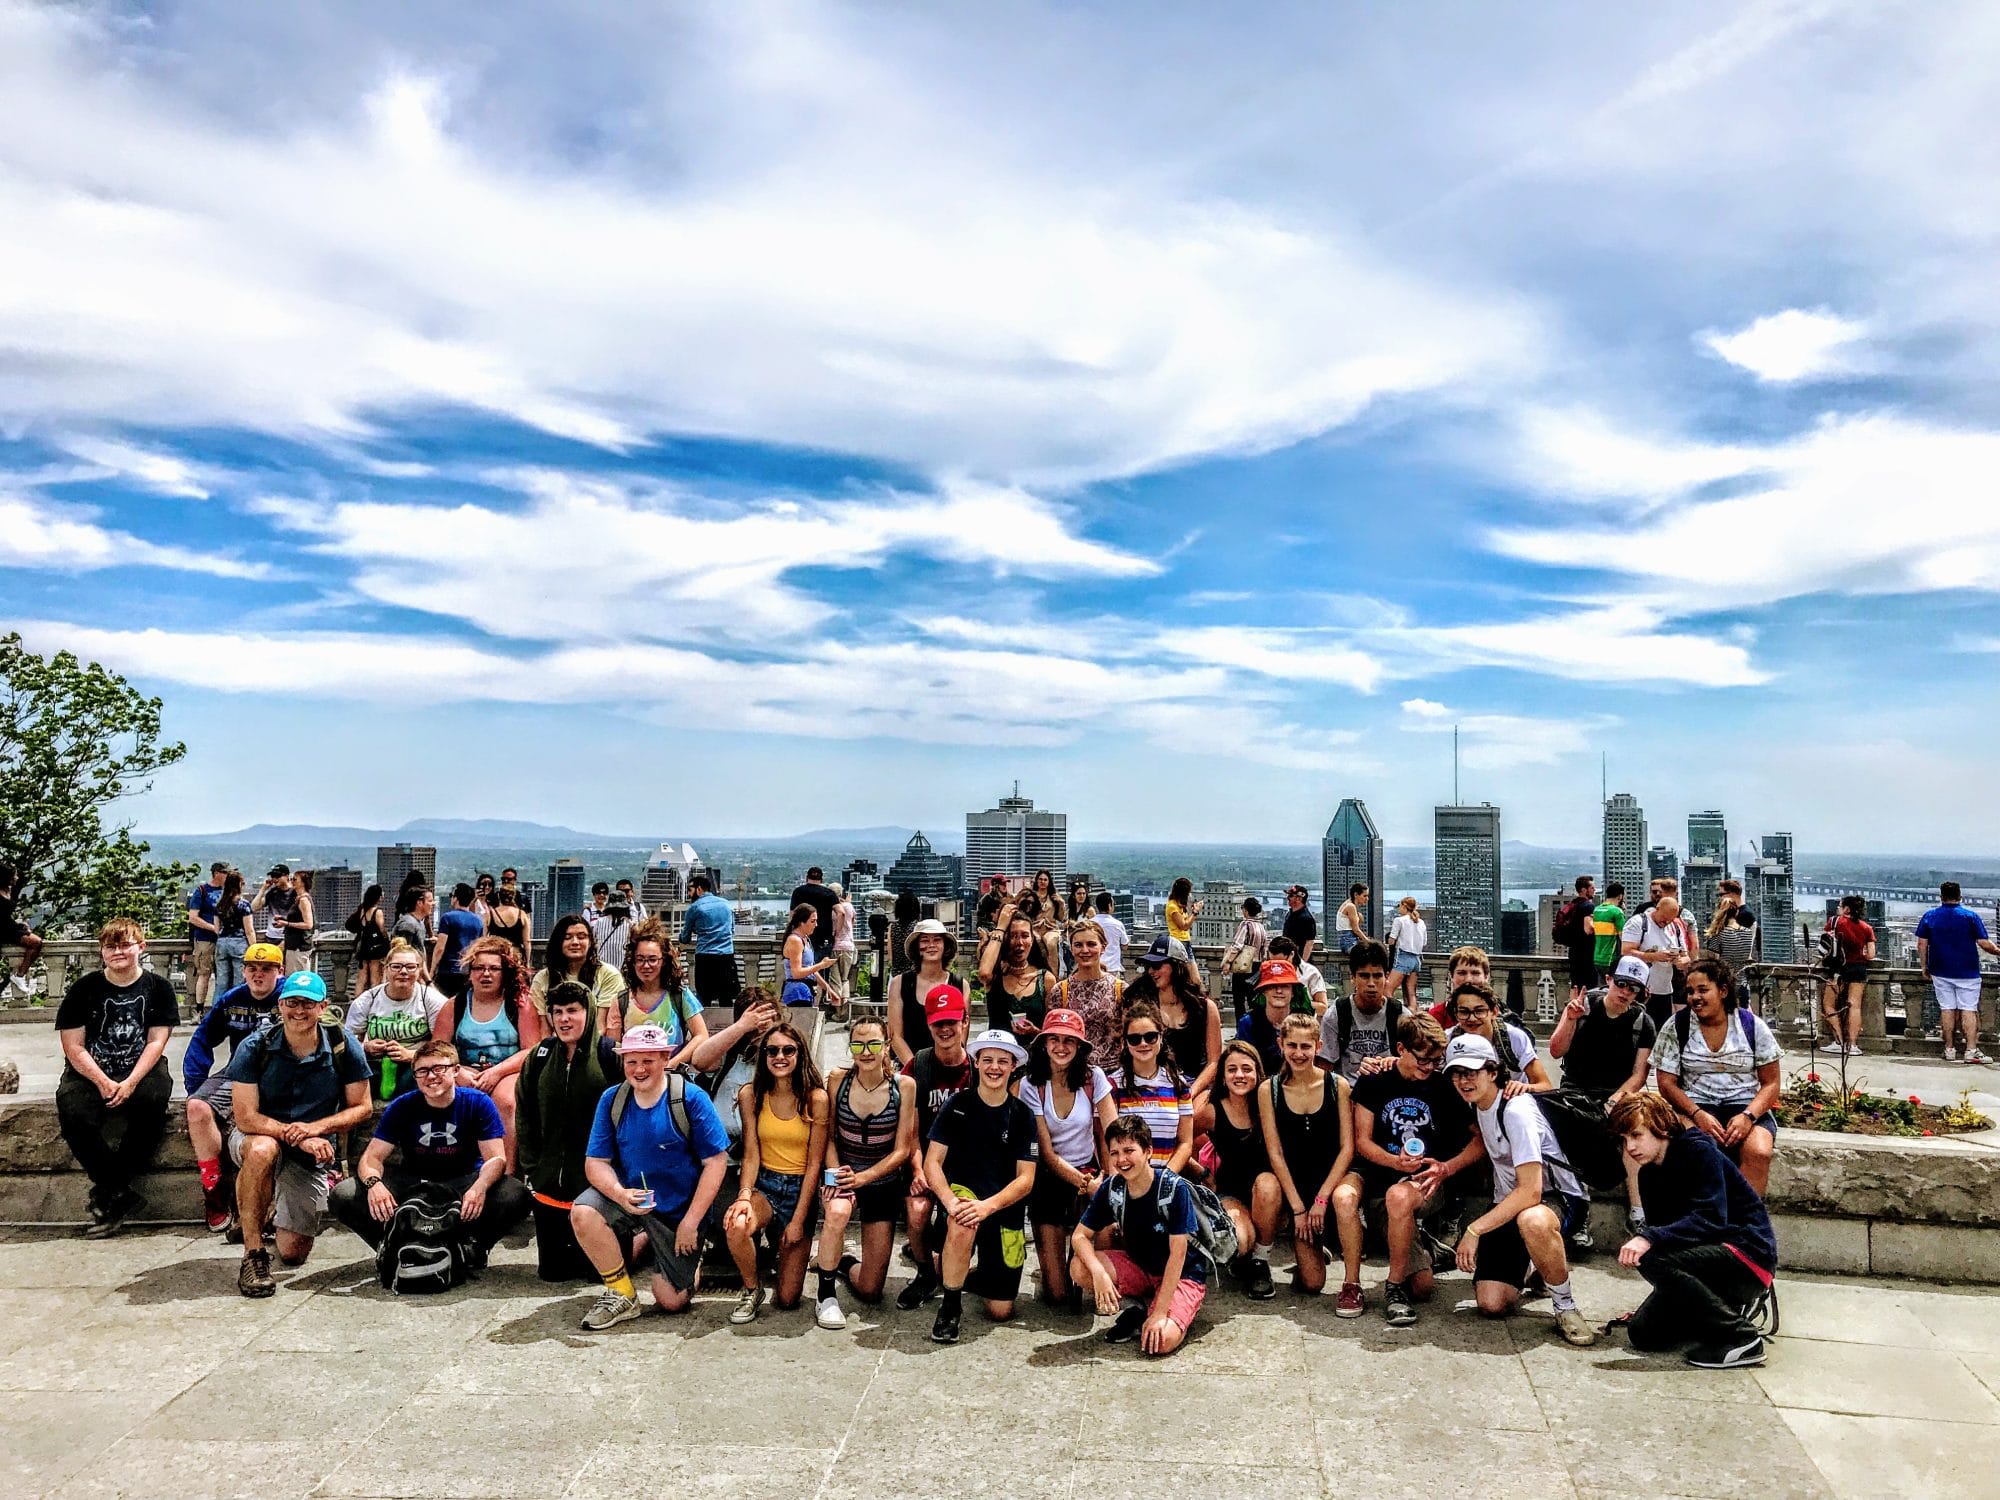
{"points": [[1188, 1042], [1239, 1154], [865, 1139], [1310, 1142]]}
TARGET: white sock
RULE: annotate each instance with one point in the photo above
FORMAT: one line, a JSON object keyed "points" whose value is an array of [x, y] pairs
{"points": [[1562, 1297]]}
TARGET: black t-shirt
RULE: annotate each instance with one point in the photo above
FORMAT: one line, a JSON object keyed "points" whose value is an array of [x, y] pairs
{"points": [[936, 1083], [1427, 1110], [820, 899], [115, 1018], [10, 925], [1604, 1047], [985, 1145], [1300, 927]]}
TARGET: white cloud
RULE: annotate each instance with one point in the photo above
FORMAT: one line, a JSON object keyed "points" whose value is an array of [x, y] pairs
{"points": [[165, 473], [1498, 742], [1617, 643], [1790, 345], [35, 533], [1578, 453]]}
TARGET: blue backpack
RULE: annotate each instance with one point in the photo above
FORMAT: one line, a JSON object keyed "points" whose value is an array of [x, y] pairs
{"points": [[1214, 1235]]}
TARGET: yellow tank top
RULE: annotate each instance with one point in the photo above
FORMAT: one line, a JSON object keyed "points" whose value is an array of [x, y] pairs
{"points": [[781, 1143]]}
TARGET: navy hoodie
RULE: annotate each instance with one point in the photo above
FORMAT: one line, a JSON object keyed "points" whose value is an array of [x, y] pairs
{"points": [[1695, 1196]]}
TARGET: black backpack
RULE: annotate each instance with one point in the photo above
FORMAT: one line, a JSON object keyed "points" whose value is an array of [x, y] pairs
{"points": [[1583, 1135], [423, 1249]]}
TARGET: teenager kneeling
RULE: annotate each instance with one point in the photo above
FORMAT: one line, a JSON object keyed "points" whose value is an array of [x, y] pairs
{"points": [[1536, 1198], [1708, 1251], [1155, 1216]]}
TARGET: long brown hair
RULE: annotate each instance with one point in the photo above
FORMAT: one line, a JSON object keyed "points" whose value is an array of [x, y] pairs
{"points": [[1146, 1010], [805, 1076]]}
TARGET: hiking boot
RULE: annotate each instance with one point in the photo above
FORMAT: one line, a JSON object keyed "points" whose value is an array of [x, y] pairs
{"points": [[1570, 1324], [923, 1286], [828, 1314], [1728, 1357], [253, 1278], [1350, 1301], [609, 1310], [1127, 1327], [1399, 1308], [749, 1302], [1257, 1281], [945, 1329], [217, 1207]]}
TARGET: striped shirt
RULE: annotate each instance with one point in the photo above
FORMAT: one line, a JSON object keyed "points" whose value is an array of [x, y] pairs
{"points": [[1158, 1102]]}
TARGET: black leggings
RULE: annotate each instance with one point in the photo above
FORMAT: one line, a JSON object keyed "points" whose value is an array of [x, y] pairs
{"points": [[1700, 1296], [113, 1146]]}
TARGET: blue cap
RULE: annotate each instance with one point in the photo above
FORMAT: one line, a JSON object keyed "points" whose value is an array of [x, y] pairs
{"points": [[306, 983]]}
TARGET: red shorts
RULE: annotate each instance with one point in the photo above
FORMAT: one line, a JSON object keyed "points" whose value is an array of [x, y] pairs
{"points": [[1133, 1282]]}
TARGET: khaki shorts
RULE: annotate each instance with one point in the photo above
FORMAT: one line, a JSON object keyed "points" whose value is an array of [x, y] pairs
{"points": [[201, 960], [298, 960], [298, 1197]]}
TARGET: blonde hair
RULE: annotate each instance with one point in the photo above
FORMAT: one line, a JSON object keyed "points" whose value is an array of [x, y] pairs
{"points": [[1474, 955], [1407, 905]]}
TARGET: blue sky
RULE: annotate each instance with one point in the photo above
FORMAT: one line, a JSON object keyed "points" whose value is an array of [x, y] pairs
{"points": [[745, 418]]}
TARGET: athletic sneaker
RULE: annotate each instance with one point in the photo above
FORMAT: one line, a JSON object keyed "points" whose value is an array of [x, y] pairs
{"points": [[253, 1278], [1570, 1324], [1129, 1325], [1350, 1302], [1257, 1281], [216, 1203], [108, 1217], [609, 1310], [1581, 1242], [1974, 1055], [1443, 1257], [22, 984], [1398, 1306], [1951, 1054], [749, 1302], [1635, 1222], [829, 1314], [1728, 1357], [923, 1286], [945, 1329]]}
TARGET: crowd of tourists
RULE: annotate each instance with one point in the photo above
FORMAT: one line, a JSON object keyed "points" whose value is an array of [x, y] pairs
{"points": [[638, 1108]]}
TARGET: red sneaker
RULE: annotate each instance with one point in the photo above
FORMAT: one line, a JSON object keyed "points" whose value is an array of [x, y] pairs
{"points": [[1348, 1304], [215, 1205]]}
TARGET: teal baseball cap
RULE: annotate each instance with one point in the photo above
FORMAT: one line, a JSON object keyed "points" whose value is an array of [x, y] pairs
{"points": [[304, 986]]}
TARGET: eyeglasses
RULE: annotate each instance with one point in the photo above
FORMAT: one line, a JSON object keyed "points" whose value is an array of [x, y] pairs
{"points": [[437, 1070], [646, 960], [486, 969], [125, 947], [1142, 1038], [1473, 1012], [1426, 1059], [866, 1049], [302, 1002], [784, 1051]]}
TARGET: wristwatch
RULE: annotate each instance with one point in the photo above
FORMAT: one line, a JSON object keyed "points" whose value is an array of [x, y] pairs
{"points": [[371, 1183]]}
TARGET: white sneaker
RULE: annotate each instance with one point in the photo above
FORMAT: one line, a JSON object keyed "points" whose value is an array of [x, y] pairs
{"points": [[829, 1314], [22, 984], [610, 1310], [1951, 1054], [1974, 1055], [748, 1305]]}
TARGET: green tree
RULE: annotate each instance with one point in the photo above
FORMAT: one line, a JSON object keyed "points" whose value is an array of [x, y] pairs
{"points": [[74, 739]]}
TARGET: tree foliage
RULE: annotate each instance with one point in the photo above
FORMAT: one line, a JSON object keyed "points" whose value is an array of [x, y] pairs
{"points": [[74, 740]]}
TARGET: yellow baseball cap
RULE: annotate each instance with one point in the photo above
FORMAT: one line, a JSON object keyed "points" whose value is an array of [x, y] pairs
{"points": [[264, 953]]}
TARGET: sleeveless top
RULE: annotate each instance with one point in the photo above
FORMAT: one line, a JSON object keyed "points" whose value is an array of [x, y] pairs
{"points": [[800, 991], [517, 934], [863, 1139], [781, 1143], [485, 1044], [1310, 1142], [1189, 1041], [1239, 1154], [916, 1029]]}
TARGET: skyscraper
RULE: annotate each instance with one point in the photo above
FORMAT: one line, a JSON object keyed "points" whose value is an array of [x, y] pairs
{"points": [[1708, 838], [1014, 839], [1350, 851], [1467, 858], [541, 910], [567, 890], [336, 894], [395, 861], [663, 885], [1767, 886], [1625, 843], [921, 870], [1662, 861], [1221, 910], [1699, 878]]}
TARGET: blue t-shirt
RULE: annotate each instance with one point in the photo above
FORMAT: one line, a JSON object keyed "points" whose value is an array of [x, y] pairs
{"points": [[440, 1144], [299, 1088], [710, 924], [461, 929], [1954, 932], [1146, 1239], [646, 1150], [202, 902]]}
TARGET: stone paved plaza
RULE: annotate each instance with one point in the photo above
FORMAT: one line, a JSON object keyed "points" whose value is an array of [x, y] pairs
{"points": [[130, 1367]]}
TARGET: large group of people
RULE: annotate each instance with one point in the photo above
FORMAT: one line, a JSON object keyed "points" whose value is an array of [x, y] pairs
{"points": [[1146, 1156]]}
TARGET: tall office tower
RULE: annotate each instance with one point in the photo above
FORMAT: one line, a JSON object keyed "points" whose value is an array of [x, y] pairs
{"points": [[859, 878], [1466, 841], [1014, 839], [1545, 919], [1662, 861], [663, 884], [1778, 846], [1517, 928], [924, 872], [1124, 908], [337, 892], [395, 861], [567, 888], [1699, 878], [541, 911], [1350, 851], [1708, 838], [1624, 850], [1767, 886], [1221, 910]]}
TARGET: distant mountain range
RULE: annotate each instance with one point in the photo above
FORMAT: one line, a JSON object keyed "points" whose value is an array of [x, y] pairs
{"points": [[511, 833]]}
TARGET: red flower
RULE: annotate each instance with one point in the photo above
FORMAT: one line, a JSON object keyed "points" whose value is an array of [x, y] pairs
{"points": [[1915, 1100], [1927, 1132], [1812, 1078]]}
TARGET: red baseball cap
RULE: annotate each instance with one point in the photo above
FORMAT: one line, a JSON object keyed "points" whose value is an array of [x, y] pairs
{"points": [[1276, 971], [1067, 1023], [945, 1002]]}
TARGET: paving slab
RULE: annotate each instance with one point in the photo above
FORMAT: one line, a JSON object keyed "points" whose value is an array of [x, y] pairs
{"points": [[1872, 1381], [1889, 1456]]}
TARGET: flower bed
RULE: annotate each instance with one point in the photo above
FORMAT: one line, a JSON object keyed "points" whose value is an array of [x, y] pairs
{"points": [[1816, 1101]]}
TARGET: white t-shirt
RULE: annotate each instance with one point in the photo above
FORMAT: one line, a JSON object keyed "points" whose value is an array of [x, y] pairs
{"points": [[1313, 980], [1651, 937], [1527, 1138], [1074, 1136], [1115, 939], [424, 1001], [1409, 934]]}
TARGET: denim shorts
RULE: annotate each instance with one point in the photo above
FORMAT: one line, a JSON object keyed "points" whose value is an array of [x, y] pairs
{"points": [[782, 1191], [1408, 962]]}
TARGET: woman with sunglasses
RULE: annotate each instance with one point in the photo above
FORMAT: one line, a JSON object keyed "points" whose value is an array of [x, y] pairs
{"points": [[868, 1156], [1070, 1099], [492, 1030], [657, 992], [1147, 1084], [783, 1108], [1249, 1189], [1193, 1022], [1014, 969], [1306, 1114], [571, 953]]}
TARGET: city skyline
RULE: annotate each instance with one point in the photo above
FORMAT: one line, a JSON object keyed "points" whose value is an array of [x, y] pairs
{"points": [[1202, 421]]}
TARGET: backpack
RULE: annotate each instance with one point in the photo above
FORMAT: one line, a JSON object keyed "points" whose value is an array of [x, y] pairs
{"points": [[423, 1249], [1583, 1136], [1214, 1235], [1568, 929], [1829, 950], [676, 1104], [1684, 1025], [1343, 1017]]}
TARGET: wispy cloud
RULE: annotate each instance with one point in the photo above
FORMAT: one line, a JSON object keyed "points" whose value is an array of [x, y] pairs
{"points": [[1791, 345], [1499, 742], [37, 533]]}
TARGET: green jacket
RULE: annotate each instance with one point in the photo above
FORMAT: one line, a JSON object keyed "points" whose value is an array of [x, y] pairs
{"points": [[556, 1101]]}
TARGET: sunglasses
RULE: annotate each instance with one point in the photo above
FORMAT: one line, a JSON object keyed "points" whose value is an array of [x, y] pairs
{"points": [[786, 1050], [866, 1049], [1142, 1038]]}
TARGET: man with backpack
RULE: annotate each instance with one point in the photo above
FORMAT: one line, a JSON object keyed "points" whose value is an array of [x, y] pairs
{"points": [[1537, 1198], [1361, 1024], [555, 1105], [1667, 944], [239, 1012], [1160, 1261], [655, 1161], [451, 1166], [1574, 932]]}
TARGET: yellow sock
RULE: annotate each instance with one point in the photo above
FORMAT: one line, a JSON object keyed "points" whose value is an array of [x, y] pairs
{"points": [[620, 1282]]}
